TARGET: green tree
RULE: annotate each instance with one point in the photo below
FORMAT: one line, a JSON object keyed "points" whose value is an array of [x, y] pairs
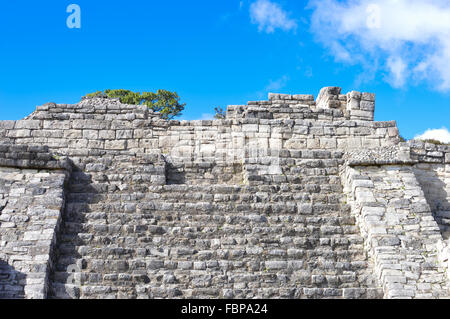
{"points": [[164, 102], [220, 113]]}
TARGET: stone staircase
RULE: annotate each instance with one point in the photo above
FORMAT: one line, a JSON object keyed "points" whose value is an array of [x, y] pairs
{"points": [[133, 238]]}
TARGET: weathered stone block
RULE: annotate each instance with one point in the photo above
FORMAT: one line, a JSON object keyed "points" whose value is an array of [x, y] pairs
{"points": [[361, 115], [90, 134], [367, 106], [28, 124], [7, 125], [368, 96], [115, 144], [276, 265]]}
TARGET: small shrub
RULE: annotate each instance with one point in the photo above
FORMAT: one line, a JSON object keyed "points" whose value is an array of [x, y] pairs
{"points": [[164, 102], [220, 113]]}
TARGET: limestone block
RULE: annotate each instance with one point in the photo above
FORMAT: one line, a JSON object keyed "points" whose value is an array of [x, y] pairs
{"points": [[393, 132], [381, 132], [247, 128], [370, 142], [368, 97], [8, 225], [328, 98], [107, 134], [73, 134], [342, 131], [364, 196], [301, 129], [295, 144], [264, 128], [316, 130], [360, 131], [90, 134], [115, 144], [366, 183], [367, 106], [354, 142], [435, 154], [354, 95], [328, 143], [313, 143], [7, 125], [32, 235], [353, 101], [124, 134], [353, 104], [361, 115], [303, 97], [275, 265], [207, 149], [19, 133], [90, 124], [28, 124], [274, 143], [273, 96]]}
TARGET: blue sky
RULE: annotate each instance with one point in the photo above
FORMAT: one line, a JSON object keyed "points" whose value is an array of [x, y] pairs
{"points": [[217, 53]]}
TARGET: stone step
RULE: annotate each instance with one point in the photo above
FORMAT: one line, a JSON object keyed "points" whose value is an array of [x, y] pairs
{"points": [[303, 277], [282, 180], [325, 246], [321, 206], [289, 292], [167, 218], [443, 214]]}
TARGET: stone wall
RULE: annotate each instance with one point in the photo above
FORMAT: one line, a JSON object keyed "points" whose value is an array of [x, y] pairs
{"points": [[31, 203], [196, 152], [251, 206], [331, 105], [433, 174], [397, 223]]}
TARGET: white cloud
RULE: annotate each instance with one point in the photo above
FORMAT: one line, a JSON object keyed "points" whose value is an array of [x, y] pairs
{"points": [[410, 39], [269, 16], [277, 84], [397, 68], [274, 86], [442, 135], [207, 116]]}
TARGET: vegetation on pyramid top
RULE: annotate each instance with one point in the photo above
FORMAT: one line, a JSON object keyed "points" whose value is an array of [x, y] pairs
{"points": [[164, 102]]}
